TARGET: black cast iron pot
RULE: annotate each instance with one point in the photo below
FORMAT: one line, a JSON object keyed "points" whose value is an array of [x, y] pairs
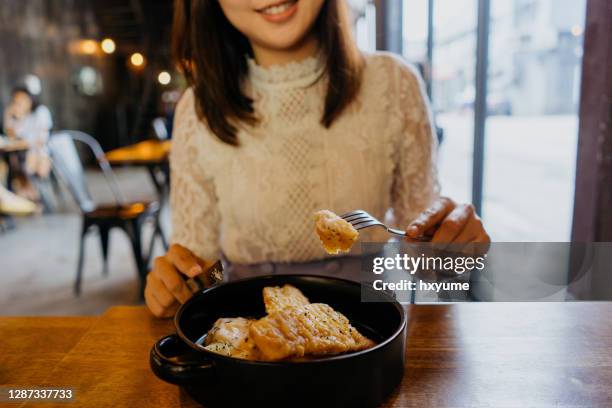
{"points": [[360, 379]]}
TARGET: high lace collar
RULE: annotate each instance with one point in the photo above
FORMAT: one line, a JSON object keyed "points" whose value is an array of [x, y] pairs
{"points": [[294, 74]]}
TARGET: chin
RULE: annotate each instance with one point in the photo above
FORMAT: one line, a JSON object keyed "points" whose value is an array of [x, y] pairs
{"points": [[279, 41], [281, 36], [273, 24]]}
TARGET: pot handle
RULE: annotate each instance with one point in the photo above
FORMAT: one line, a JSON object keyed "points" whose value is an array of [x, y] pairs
{"points": [[175, 362]]}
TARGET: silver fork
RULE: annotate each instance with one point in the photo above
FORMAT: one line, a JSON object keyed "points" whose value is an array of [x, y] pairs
{"points": [[360, 219]]}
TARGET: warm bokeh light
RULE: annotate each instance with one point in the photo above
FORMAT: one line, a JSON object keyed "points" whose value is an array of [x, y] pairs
{"points": [[88, 47], [137, 59], [164, 78], [577, 30], [108, 45]]}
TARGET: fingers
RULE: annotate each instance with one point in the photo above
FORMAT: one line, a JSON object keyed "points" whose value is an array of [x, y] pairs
{"points": [[482, 242], [464, 230], [460, 226], [482, 238], [156, 309], [464, 241], [184, 260], [159, 301], [452, 225], [166, 287], [157, 290], [430, 217], [172, 282], [470, 231]]}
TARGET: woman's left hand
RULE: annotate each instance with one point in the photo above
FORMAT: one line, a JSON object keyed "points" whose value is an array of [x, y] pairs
{"points": [[448, 223]]}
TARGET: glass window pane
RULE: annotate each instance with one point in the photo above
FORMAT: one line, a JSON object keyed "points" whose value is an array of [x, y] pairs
{"points": [[414, 28], [535, 55], [454, 64], [364, 24]]}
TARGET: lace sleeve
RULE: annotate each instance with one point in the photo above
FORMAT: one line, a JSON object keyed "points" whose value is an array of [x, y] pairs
{"points": [[195, 216], [415, 184]]}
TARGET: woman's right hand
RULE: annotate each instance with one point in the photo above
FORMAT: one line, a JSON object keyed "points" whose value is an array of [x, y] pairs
{"points": [[166, 288]]}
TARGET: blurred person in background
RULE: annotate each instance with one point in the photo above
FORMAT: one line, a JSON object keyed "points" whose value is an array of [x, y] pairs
{"points": [[25, 118]]}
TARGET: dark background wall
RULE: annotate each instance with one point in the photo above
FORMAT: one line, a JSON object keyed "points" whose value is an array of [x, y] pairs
{"points": [[41, 37], [36, 38]]}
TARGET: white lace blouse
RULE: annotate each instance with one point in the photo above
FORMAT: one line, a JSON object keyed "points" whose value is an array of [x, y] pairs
{"points": [[255, 203]]}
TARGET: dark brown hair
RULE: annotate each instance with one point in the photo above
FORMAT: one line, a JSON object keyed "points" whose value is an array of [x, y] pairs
{"points": [[24, 89], [211, 53]]}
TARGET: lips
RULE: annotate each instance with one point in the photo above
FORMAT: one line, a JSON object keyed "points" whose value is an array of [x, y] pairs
{"points": [[277, 8], [279, 11]]}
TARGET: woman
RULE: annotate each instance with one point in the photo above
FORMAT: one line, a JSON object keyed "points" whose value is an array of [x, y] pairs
{"points": [[26, 119], [285, 117]]}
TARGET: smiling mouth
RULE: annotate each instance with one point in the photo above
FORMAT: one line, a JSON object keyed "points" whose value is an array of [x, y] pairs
{"points": [[277, 8]]}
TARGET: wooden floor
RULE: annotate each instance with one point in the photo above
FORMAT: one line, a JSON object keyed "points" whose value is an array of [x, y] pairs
{"points": [[38, 260]]}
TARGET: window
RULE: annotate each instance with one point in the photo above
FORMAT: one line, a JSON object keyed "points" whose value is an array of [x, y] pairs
{"points": [[415, 31], [535, 55], [364, 23], [450, 76], [533, 82]]}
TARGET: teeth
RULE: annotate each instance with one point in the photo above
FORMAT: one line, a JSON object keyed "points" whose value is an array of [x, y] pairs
{"points": [[278, 8]]}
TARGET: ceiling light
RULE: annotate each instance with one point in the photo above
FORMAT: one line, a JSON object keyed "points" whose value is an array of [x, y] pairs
{"points": [[137, 59], [164, 78], [89, 47], [108, 46]]}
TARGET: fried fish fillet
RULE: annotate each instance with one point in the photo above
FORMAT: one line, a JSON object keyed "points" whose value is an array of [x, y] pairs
{"points": [[336, 234], [277, 298], [230, 336], [312, 329]]}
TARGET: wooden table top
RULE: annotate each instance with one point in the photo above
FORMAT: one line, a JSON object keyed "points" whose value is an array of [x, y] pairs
{"points": [[461, 355], [12, 145], [142, 153]]}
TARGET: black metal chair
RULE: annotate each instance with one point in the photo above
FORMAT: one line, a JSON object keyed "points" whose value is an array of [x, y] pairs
{"points": [[128, 216]]}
